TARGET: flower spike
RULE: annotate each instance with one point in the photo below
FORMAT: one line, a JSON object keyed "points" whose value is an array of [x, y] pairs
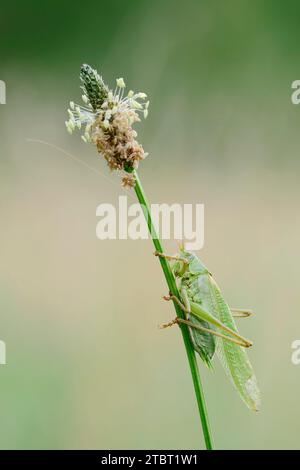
{"points": [[107, 119]]}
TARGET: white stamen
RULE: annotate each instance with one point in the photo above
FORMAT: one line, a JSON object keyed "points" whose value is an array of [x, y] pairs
{"points": [[120, 82], [136, 104]]}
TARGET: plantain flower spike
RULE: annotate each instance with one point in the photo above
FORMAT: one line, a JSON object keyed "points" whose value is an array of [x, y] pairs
{"points": [[106, 120]]}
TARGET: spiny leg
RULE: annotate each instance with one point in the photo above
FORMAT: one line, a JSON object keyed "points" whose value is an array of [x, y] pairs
{"points": [[178, 321], [202, 314], [210, 319], [170, 258], [169, 324], [213, 332], [175, 299], [186, 308], [241, 312]]}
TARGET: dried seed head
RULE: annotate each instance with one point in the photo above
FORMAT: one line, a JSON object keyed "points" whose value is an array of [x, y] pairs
{"points": [[128, 181], [107, 121]]}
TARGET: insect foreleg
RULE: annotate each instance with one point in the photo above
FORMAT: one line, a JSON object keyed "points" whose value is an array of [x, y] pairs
{"points": [[171, 258]]}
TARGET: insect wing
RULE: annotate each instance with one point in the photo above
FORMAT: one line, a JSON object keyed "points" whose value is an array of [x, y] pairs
{"points": [[233, 357]]}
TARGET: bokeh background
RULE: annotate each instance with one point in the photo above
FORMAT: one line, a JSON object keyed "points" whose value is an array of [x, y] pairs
{"points": [[87, 366]]}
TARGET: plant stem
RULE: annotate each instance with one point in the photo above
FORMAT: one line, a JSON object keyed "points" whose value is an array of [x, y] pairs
{"points": [[185, 333]]}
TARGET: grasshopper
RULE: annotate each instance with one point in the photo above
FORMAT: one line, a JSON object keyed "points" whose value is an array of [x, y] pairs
{"points": [[211, 324]]}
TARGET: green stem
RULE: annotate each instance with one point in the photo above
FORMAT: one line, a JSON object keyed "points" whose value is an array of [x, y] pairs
{"points": [[174, 290]]}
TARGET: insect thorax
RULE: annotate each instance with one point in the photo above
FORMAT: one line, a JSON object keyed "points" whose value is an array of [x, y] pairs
{"points": [[193, 284]]}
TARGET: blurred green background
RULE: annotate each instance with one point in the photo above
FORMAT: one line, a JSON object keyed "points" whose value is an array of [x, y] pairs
{"points": [[87, 366]]}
